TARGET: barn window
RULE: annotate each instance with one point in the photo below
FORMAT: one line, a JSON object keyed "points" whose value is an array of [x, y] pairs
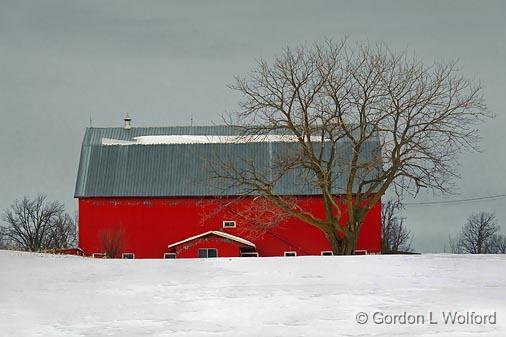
{"points": [[249, 254], [290, 253], [128, 256], [326, 253], [360, 252], [208, 252], [228, 224], [169, 255], [98, 255]]}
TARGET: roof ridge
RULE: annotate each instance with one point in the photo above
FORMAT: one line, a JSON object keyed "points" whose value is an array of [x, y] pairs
{"points": [[162, 126]]}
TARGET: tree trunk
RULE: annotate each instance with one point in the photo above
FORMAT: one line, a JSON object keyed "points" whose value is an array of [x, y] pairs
{"points": [[341, 245], [347, 245]]}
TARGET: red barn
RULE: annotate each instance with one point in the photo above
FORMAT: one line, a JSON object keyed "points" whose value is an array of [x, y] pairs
{"points": [[149, 191]]}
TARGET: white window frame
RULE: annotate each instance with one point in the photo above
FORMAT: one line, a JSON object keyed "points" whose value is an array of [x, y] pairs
{"points": [[123, 256], [168, 258], [325, 253], [249, 254], [229, 221], [290, 252], [98, 255], [363, 251]]}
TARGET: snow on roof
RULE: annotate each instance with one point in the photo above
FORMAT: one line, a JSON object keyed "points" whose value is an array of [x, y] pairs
{"points": [[202, 139], [218, 233]]}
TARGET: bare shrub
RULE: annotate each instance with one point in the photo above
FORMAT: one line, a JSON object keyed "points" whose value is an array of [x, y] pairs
{"points": [[112, 241], [395, 236]]}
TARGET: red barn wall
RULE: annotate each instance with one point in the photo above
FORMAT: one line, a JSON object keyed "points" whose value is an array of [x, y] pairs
{"points": [[149, 225]]}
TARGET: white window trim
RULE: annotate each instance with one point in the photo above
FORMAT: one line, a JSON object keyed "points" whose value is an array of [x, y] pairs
{"points": [[290, 252], [98, 255], [326, 251], [248, 254], [364, 251], [165, 255], [225, 221], [123, 255]]}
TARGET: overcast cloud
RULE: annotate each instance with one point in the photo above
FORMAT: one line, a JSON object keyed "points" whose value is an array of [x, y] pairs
{"points": [[165, 61]]}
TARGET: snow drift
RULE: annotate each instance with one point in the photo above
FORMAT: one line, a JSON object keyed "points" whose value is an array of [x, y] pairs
{"points": [[43, 295]]}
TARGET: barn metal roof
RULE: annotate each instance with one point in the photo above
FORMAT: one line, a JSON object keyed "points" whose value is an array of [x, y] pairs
{"points": [[181, 169]]}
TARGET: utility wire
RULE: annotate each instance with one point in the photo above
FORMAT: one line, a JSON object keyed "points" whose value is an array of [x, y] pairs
{"points": [[455, 201]]}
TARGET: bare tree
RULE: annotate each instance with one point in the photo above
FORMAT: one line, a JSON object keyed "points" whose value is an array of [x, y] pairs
{"points": [[37, 224], [3, 243], [499, 244], [479, 235], [63, 232], [256, 215], [112, 241], [395, 237], [332, 96]]}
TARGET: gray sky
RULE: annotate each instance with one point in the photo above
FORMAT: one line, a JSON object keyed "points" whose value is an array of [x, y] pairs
{"points": [[163, 61]]}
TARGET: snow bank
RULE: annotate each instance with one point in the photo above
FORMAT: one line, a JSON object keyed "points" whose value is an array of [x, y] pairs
{"points": [[43, 295]]}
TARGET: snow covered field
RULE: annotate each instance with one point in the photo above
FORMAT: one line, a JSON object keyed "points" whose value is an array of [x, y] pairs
{"points": [[43, 295]]}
